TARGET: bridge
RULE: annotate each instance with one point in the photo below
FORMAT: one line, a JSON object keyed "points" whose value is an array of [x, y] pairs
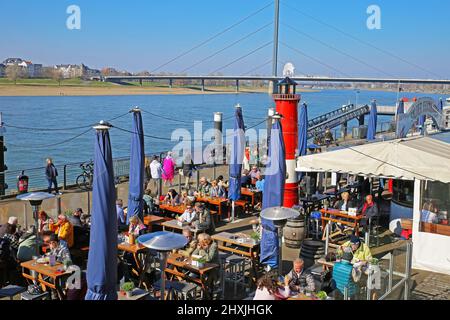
{"points": [[237, 79], [341, 116]]}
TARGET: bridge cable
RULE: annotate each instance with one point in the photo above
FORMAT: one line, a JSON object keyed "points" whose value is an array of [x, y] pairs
{"points": [[226, 47], [242, 57], [212, 37], [360, 40], [340, 51], [316, 60]]}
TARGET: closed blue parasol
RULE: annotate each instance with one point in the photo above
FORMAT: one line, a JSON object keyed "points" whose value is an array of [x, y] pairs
{"points": [[237, 157], [372, 128], [136, 188], [102, 260], [303, 130], [275, 176]]}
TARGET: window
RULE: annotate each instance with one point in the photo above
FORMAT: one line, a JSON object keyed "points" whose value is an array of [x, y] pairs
{"points": [[403, 193], [435, 205]]}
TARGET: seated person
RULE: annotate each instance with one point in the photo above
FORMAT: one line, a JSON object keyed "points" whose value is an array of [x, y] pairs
{"points": [[254, 174], [191, 244], [246, 180], [64, 229], [184, 197], [360, 251], [203, 222], [58, 249], [298, 279], [216, 191], [44, 222], [9, 245], [172, 198], [369, 210], [327, 283], [76, 218], [121, 218], [342, 275], [189, 214], [429, 213], [27, 245], [207, 250], [221, 182], [260, 182], [137, 228], [345, 203], [148, 201], [203, 188], [267, 288]]}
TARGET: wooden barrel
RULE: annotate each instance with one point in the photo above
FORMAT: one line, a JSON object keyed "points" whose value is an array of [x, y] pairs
{"points": [[294, 233]]}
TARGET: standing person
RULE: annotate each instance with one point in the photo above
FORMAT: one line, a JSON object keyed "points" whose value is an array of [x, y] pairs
{"points": [[188, 168], [51, 173], [147, 173], [168, 169], [328, 137], [156, 172]]}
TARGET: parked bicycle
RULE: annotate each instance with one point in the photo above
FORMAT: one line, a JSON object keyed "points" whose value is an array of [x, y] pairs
{"points": [[86, 178]]}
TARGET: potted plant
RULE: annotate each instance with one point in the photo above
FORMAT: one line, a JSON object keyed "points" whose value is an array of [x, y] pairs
{"points": [[322, 295], [128, 287], [374, 261], [256, 237], [198, 261], [68, 213]]}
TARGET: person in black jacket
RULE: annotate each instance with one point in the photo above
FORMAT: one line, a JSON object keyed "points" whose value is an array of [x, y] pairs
{"points": [[51, 173], [345, 203]]}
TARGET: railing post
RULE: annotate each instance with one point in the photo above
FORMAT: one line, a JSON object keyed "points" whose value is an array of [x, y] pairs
{"points": [[408, 269], [65, 177], [346, 293], [198, 178], [179, 182], [391, 271]]}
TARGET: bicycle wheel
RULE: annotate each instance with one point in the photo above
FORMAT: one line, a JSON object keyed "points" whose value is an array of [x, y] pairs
{"points": [[81, 182]]}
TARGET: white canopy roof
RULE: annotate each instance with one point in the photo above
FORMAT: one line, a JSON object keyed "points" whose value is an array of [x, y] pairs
{"points": [[422, 158]]}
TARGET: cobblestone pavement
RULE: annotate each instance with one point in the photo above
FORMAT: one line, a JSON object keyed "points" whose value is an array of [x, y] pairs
{"points": [[433, 287]]}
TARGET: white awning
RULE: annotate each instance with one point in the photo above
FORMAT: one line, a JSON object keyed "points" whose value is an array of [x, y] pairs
{"points": [[422, 158]]}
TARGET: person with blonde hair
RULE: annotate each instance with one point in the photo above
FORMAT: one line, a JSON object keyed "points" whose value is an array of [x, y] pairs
{"points": [[136, 227], [345, 203], [208, 251]]}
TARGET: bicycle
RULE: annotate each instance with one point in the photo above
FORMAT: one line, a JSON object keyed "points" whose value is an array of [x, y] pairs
{"points": [[85, 179]]}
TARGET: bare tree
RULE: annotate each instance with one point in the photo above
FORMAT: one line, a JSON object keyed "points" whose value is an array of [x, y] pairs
{"points": [[14, 72], [57, 75]]}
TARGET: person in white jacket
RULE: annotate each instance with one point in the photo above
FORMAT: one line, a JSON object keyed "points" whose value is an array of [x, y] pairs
{"points": [[156, 171]]}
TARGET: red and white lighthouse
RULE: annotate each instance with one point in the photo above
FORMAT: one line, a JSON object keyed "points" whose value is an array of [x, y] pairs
{"points": [[286, 101]]}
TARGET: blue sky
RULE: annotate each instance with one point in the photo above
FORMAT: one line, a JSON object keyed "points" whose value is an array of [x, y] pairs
{"points": [[142, 34]]}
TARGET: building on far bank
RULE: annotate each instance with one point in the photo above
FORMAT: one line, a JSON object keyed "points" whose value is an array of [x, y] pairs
{"points": [[32, 70], [2, 70], [70, 70]]}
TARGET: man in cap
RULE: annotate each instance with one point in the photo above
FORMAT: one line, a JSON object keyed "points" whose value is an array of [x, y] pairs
{"points": [[360, 250]]}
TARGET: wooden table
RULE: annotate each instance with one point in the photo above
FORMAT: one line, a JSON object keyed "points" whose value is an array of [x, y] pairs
{"points": [[56, 275], [341, 217], [248, 248], [220, 203], [140, 255], [176, 264], [173, 225], [253, 194], [152, 219], [176, 209]]}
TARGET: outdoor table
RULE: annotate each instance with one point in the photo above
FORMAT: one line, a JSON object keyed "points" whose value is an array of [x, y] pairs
{"points": [[220, 203], [175, 209], [247, 248], [180, 267], [253, 194], [138, 294], [56, 274], [152, 219], [140, 255], [173, 225], [341, 217]]}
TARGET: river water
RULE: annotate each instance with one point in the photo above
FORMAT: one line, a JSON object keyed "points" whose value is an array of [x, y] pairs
{"points": [[29, 148]]}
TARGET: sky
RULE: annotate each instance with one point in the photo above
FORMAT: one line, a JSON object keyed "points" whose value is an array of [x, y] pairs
{"points": [[321, 37]]}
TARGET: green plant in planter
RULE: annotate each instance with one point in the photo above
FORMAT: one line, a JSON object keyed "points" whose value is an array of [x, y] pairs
{"points": [[68, 213], [127, 286], [201, 260], [255, 236], [67, 263], [374, 261], [322, 295]]}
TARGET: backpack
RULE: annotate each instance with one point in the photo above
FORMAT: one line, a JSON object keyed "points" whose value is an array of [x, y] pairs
{"points": [[5, 250]]}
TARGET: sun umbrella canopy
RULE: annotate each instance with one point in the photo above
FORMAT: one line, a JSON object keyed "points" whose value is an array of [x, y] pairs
{"points": [[136, 184], [102, 260], [237, 155], [372, 128], [275, 177]]}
